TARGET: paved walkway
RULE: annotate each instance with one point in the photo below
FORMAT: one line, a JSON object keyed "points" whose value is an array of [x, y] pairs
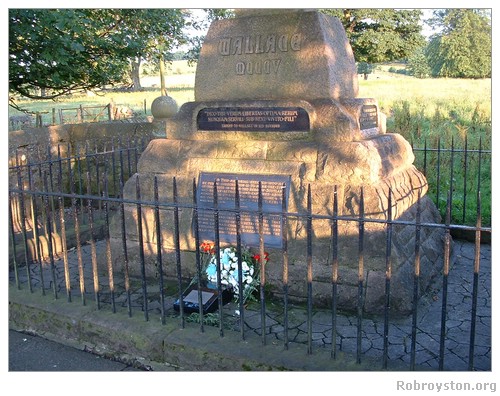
{"points": [[458, 314], [31, 353]]}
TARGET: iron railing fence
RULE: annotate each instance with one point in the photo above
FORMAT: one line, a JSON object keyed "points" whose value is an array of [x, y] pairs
{"points": [[460, 169], [76, 194]]}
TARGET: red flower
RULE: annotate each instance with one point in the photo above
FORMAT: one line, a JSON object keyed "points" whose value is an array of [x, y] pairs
{"points": [[207, 247], [256, 257]]}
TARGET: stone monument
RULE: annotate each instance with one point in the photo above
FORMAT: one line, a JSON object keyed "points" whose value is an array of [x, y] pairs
{"points": [[276, 102]]}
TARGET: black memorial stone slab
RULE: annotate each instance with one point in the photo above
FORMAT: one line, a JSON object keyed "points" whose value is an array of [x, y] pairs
{"points": [[209, 299], [253, 119]]}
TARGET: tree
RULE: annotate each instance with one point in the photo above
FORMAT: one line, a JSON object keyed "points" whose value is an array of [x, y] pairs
{"points": [[58, 51], [418, 65], [381, 35], [365, 69], [210, 15], [157, 32], [48, 50], [462, 47]]}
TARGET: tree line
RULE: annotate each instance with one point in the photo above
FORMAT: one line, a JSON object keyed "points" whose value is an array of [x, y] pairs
{"points": [[53, 52], [56, 51], [459, 48]]}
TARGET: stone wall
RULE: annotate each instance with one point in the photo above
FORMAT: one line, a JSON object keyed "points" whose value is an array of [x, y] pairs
{"points": [[31, 145], [33, 142]]}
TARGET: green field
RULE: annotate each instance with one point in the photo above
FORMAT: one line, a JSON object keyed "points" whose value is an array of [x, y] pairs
{"points": [[179, 82], [431, 108], [431, 112], [444, 114]]}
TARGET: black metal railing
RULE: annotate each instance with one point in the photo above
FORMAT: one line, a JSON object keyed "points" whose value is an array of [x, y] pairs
{"points": [[80, 191], [462, 171]]}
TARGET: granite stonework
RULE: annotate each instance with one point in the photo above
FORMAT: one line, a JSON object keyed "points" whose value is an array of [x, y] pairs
{"points": [[290, 55], [260, 75]]}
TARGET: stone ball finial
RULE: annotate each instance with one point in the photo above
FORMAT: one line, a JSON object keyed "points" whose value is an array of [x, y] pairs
{"points": [[164, 107]]}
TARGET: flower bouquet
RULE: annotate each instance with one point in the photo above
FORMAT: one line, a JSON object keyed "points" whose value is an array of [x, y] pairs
{"points": [[229, 270], [229, 278]]}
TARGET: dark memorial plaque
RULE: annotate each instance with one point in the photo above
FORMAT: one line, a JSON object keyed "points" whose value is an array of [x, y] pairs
{"points": [[369, 117], [248, 185], [209, 299], [254, 119]]}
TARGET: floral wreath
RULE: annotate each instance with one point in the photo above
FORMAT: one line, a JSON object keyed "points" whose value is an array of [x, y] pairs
{"points": [[229, 270]]}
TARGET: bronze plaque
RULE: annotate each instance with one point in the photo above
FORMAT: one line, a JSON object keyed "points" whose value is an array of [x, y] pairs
{"points": [[254, 119], [248, 185], [369, 117]]}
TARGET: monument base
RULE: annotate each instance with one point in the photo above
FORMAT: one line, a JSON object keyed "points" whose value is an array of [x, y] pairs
{"points": [[377, 164]]}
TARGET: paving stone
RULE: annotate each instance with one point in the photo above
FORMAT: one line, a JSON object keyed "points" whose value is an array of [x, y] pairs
{"points": [[453, 362], [322, 318], [482, 363], [423, 356], [427, 342], [317, 335], [395, 352]]}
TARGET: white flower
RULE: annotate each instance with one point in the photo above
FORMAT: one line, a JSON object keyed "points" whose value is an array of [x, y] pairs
{"points": [[229, 271]]}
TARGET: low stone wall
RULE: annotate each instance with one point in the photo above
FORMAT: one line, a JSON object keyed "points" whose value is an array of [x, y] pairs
{"points": [[33, 142]]}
